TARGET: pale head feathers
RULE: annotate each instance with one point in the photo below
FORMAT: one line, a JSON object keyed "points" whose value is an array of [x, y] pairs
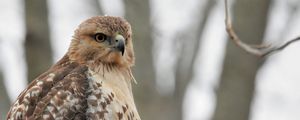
{"points": [[85, 49]]}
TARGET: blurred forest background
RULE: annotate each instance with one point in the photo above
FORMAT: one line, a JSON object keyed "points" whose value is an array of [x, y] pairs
{"points": [[186, 68]]}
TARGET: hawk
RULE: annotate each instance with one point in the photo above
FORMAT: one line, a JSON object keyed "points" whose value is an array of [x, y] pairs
{"points": [[92, 80]]}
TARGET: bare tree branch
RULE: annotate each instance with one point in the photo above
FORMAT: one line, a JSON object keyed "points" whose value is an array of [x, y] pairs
{"points": [[261, 50]]}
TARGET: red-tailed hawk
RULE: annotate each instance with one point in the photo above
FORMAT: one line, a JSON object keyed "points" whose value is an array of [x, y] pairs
{"points": [[92, 80]]}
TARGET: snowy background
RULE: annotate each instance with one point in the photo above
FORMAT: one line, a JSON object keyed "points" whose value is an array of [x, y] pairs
{"points": [[277, 82]]}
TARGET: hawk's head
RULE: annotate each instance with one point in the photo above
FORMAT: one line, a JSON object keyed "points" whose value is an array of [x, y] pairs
{"points": [[103, 39]]}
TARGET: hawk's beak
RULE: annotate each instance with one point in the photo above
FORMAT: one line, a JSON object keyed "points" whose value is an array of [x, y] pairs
{"points": [[119, 43]]}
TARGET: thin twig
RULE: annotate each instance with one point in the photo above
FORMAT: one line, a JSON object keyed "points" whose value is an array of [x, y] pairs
{"points": [[261, 50], [281, 47]]}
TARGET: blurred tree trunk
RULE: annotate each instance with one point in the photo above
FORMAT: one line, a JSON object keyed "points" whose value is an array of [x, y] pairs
{"points": [[37, 43], [151, 105], [185, 64], [236, 87], [137, 12], [4, 99], [97, 7]]}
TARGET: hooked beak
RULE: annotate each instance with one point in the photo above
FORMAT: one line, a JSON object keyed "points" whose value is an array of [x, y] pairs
{"points": [[119, 43]]}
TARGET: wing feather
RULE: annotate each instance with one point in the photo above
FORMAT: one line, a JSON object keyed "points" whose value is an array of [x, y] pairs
{"points": [[58, 93]]}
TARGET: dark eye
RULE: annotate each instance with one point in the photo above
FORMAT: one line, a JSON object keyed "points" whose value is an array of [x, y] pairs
{"points": [[100, 37]]}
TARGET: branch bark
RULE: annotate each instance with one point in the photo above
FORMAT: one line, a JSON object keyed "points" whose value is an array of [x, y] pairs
{"points": [[261, 50]]}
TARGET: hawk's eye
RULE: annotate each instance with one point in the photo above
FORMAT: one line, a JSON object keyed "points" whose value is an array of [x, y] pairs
{"points": [[100, 37]]}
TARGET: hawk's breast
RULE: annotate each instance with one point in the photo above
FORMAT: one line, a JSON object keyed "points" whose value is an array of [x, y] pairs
{"points": [[106, 99]]}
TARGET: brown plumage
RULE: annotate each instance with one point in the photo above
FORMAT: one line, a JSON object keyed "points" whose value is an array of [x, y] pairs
{"points": [[92, 80]]}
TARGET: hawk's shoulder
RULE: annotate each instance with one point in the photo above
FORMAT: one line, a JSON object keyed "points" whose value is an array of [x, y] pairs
{"points": [[57, 93]]}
